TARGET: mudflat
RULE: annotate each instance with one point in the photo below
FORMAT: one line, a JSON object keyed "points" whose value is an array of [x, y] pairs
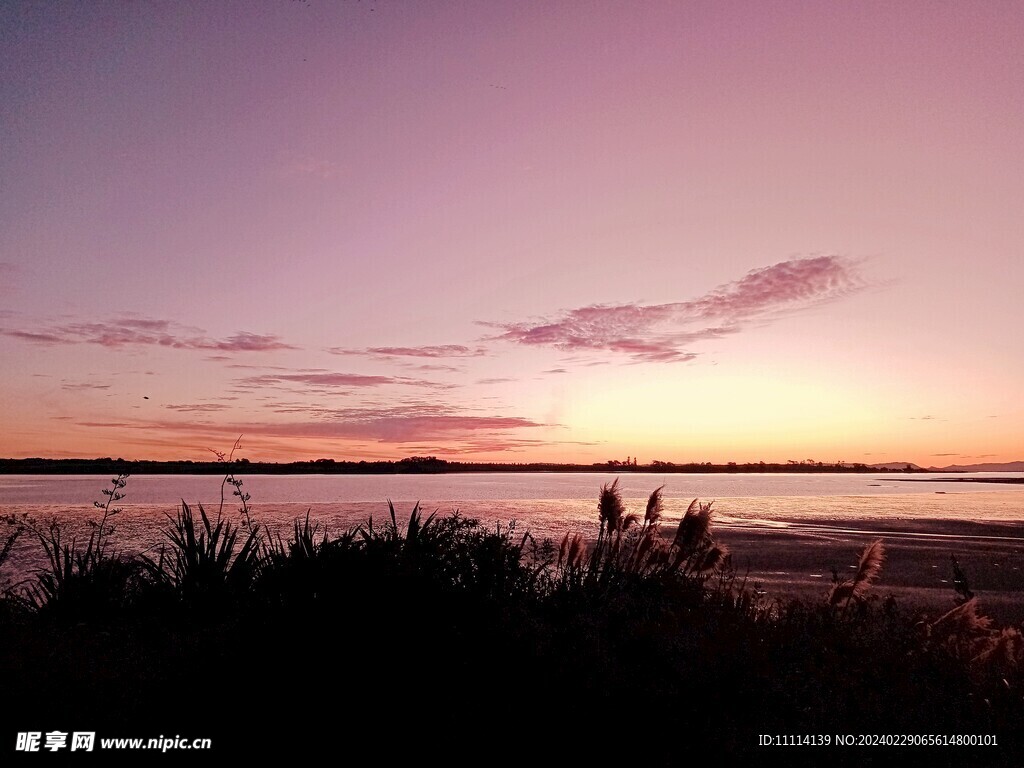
{"points": [[795, 558]]}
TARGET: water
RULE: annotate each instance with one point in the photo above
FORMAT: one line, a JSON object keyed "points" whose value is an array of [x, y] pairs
{"points": [[546, 504], [473, 487]]}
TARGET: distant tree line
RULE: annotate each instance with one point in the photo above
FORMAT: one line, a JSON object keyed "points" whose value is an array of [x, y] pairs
{"points": [[409, 465]]}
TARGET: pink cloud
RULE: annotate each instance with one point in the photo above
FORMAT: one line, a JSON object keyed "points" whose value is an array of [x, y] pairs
{"points": [[145, 324], [319, 379], [37, 338], [407, 428], [244, 367], [435, 367], [126, 331], [794, 284], [82, 386], [456, 431], [196, 407], [664, 332], [442, 350], [247, 342], [329, 380]]}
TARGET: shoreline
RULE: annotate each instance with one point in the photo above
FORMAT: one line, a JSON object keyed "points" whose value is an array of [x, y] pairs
{"points": [[796, 561]]}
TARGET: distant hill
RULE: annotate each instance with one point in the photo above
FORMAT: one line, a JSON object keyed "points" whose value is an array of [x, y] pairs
{"points": [[1010, 466]]}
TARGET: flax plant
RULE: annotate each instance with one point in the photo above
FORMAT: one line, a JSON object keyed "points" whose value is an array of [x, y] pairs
{"points": [[206, 561], [76, 581]]}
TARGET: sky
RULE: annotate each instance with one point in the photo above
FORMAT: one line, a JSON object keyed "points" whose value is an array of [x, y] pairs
{"points": [[535, 231]]}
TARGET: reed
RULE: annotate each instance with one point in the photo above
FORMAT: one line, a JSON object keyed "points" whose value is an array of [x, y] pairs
{"points": [[869, 566]]}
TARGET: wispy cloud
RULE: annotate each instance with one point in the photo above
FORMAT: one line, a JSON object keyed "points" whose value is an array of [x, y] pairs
{"points": [[246, 367], [82, 386], [664, 332], [196, 407], [35, 337], [244, 342], [330, 380], [448, 428], [130, 331], [440, 350], [318, 379], [401, 428], [434, 367]]}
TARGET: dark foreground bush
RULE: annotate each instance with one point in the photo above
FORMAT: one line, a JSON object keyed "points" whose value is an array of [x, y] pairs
{"points": [[439, 637]]}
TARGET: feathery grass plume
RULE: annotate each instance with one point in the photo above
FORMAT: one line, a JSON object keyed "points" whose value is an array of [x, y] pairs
{"points": [[693, 528], [654, 506], [644, 547], [868, 568], [610, 506], [1003, 649], [570, 550], [649, 537], [713, 558], [575, 552], [969, 636], [563, 549], [964, 620]]}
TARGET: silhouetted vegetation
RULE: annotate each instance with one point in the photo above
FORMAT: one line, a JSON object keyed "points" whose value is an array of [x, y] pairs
{"points": [[413, 465], [437, 636]]}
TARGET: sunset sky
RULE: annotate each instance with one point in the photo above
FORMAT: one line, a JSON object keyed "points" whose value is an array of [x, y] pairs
{"points": [[550, 231]]}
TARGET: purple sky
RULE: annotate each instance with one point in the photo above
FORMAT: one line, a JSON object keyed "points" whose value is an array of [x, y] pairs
{"points": [[513, 231]]}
